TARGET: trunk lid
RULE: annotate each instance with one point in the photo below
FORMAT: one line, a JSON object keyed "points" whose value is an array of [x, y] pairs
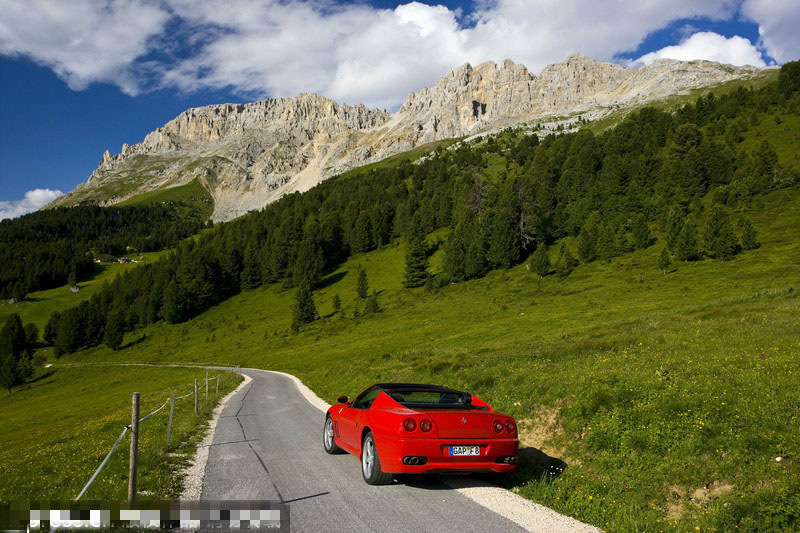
{"points": [[462, 423]]}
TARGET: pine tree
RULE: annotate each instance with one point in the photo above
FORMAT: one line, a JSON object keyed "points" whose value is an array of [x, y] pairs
{"points": [[309, 262], [15, 361], [416, 272], [687, 247], [673, 227], [174, 303], [304, 310], [719, 236], [641, 232], [12, 337], [337, 303], [664, 260], [566, 262], [251, 272], [747, 234], [587, 241], [371, 305], [504, 241], [31, 338], [115, 330], [540, 263], [362, 285]]}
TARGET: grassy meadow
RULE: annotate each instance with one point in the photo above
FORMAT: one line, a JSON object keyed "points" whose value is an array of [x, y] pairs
{"points": [[39, 305], [58, 428], [666, 399]]}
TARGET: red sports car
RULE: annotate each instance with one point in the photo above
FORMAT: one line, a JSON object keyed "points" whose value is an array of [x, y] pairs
{"points": [[410, 428]]}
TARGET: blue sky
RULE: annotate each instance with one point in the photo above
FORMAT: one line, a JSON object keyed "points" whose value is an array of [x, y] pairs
{"points": [[83, 76]]}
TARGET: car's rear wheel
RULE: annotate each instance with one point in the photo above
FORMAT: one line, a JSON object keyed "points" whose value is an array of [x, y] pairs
{"points": [[328, 441], [371, 464]]}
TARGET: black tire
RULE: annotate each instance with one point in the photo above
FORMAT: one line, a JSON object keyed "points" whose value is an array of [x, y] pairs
{"points": [[328, 441], [371, 463]]}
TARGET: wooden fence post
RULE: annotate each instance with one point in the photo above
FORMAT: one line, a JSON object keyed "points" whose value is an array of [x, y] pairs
{"points": [[217, 383], [134, 447], [195, 396], [169, 424], [206, 385]]}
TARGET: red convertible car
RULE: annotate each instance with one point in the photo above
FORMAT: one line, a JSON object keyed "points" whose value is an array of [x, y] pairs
{"points": [[414, 429]]}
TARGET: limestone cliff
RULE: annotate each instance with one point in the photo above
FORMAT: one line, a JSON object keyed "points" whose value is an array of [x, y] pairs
{"points": [[249, 155]]}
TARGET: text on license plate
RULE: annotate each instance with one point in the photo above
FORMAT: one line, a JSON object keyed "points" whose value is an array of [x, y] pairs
{"points": [[465, 450]]}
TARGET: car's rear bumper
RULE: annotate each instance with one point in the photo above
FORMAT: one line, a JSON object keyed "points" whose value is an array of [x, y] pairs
{"points": [[391, 451]]}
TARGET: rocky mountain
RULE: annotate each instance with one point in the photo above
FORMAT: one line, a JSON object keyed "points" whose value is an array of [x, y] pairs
{"points": [[249, 155]]}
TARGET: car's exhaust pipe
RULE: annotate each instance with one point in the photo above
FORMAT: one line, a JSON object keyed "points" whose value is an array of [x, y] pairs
{"points": [[507, 459], [414, 460]]}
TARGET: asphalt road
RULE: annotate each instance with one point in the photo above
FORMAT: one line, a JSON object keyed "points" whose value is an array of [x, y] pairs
{"points": [[268, 446]]}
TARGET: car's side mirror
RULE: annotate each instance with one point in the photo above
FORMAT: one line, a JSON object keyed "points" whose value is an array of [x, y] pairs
{"points": [[342, 399]]}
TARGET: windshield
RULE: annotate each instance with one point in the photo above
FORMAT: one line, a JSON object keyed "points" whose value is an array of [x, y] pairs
{"points": [[421, 398]]}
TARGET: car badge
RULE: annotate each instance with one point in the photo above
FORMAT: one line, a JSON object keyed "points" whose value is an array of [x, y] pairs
{"points": [[463, 420]]}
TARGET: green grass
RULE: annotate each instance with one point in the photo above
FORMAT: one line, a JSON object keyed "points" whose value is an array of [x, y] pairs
{"points": [[58, 428], [193, 194], [648, 387], [38, 306]]}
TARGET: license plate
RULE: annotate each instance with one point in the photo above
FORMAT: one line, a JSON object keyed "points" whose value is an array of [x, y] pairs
{"points": [[465, 450]]}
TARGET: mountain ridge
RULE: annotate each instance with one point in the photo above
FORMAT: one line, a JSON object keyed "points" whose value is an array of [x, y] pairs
{"points": [[248, 155]]}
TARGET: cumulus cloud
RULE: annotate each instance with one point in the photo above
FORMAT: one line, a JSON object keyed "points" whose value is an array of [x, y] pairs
{"points": [[32, 201], [711, 46], [778, 21], [352, 52], [82, 41]]}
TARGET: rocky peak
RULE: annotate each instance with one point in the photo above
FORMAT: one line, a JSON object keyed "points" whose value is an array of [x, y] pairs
{"points": [[248, 155]]}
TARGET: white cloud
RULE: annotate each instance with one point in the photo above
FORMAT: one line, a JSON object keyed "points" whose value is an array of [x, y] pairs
{"points": [[351, 52], [33, 200], [83, 41], [778, 21], [711, 46]]}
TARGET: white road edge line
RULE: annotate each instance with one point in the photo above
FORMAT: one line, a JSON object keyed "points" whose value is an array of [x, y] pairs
{"points": [[194, 473], [523, 512]]}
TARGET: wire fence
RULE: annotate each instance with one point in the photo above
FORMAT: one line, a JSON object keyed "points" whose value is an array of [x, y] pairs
{"points": [[126, 428]]}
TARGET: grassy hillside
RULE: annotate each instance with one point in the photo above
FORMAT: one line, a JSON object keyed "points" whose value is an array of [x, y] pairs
{"points": [[197, 200], [666, 396], [59, 427], [38, 306], [646, 400]]}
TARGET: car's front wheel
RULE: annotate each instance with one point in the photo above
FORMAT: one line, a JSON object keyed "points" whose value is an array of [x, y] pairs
{"points": [[328, 441], [371, 464]]}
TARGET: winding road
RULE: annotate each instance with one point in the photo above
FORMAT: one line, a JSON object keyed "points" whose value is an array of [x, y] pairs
{"points": [[268, 446]]}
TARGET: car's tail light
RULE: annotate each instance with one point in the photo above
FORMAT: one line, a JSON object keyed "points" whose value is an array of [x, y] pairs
{"points": [[499, 426], [409, 424], [425, 425], [511, 426]]}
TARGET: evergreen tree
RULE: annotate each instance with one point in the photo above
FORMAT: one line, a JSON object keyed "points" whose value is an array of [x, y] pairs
{"points": [[416, 257], [565, 262], [361, 240], [540, 263], [747, 233], [587, 238], [687, 247], [371, 305], [504, 241], [362, 285], [51, 328], [31, 338], [337, 303], [309, 263], [15, 361], [641, 232], [605, 246], [174, 301], [115, 330], [673, 228], [251, 272], [719, 236], [12, 337], [664, 260], [304, 311]]}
